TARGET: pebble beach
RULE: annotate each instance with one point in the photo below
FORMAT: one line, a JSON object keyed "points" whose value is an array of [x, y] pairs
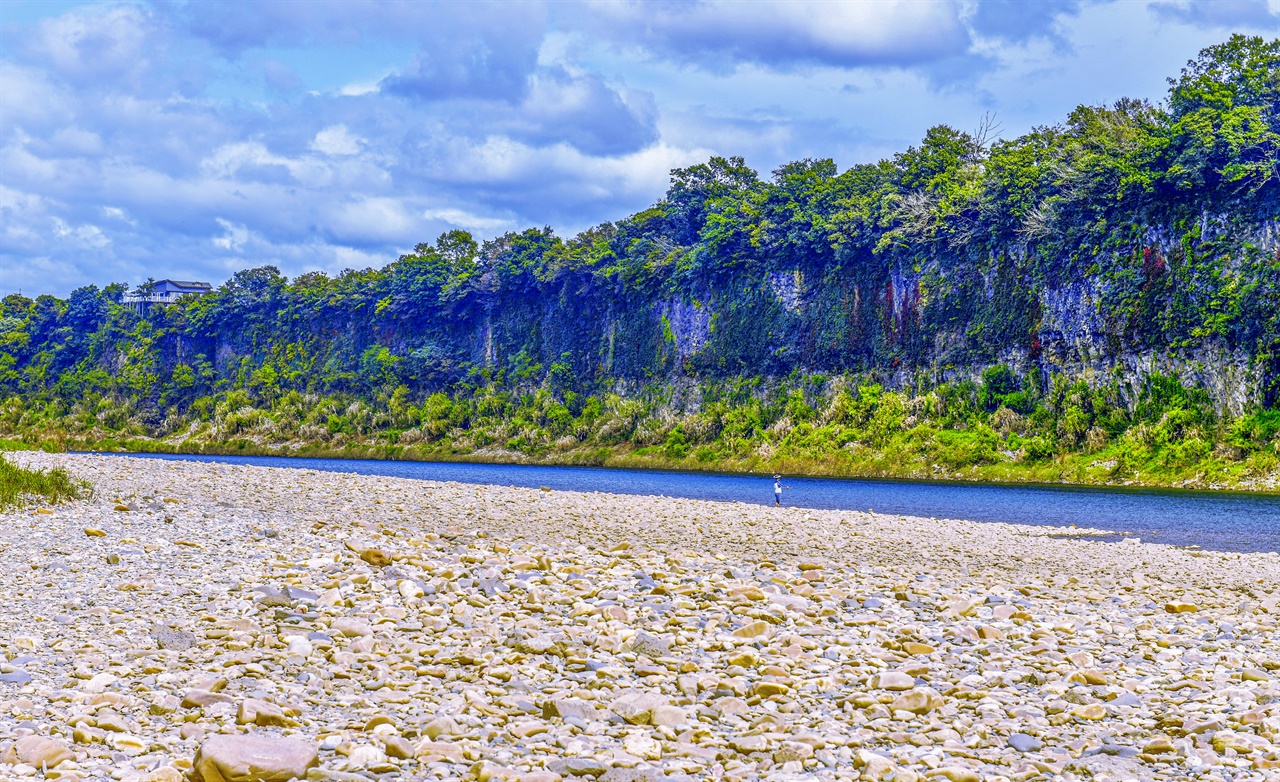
{"points": [[211, 622]]}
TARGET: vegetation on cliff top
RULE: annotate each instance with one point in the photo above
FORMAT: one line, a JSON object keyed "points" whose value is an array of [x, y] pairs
{"points": [[968, 307]]}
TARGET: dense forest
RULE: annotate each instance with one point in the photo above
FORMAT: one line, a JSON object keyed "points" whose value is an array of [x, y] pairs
{"points": [[1094, 301]]}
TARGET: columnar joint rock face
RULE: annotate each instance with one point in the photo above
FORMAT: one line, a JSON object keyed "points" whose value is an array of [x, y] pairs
{"points": [[239, 623]]}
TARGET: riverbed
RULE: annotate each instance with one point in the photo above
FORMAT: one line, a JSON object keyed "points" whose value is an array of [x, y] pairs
{"points": [[1222, 521], [351, 627]]}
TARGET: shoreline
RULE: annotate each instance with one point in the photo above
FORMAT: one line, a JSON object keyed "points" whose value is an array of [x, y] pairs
{"points": [[633, 636], [1098, 487], [607, 458]]}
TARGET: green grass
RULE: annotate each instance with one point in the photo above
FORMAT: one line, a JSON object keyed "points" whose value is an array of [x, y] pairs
{"points": [[20, 486]]}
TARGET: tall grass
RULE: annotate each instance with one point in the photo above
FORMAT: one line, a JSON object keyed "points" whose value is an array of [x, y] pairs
{"points": [[20, 486]]}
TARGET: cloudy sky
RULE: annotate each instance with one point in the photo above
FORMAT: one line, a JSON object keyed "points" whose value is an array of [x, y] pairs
{"points": [[192, 139]]}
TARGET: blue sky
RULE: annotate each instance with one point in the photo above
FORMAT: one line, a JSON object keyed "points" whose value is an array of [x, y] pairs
{"points": [[193, 139]]}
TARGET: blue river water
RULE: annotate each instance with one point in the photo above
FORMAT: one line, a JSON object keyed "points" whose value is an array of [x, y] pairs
{"points": [[1224, 521]]}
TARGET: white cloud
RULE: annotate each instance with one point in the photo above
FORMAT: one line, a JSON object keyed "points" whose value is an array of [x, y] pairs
{"points": [[229, 159], [20, 215], [81, 236], [76, 141], [96, 42], [349, 258], [371, 220], [786, 33], [459, 218], [357, 88], [233, 238], [29, 97], [116, 213], [337, 140]]}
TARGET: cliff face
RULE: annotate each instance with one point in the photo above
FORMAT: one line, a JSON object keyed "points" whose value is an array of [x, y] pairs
{"points": [[941, 318]]}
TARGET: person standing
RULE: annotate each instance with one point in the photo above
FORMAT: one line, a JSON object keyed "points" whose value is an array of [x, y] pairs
{"points": [[777, 491]]}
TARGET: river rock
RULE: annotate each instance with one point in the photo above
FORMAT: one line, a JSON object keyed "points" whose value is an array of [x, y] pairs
{"points": [[637, 707], [650, 645], [38, 752], [895, 680], [249, 758], [1024, 743]]}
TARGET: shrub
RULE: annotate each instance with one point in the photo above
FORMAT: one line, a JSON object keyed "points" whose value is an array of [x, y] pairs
{"points": [[1096, 438], [1254, 431], [1006, 421], [974, 446], [20, 486], [1187, 453], [675, 446], [1037, 449]]}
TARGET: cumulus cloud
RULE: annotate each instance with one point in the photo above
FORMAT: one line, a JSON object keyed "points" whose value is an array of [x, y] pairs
{"points": [[1018, 20], [191, 139], [233, 236], [1254, 14], [337, 140], [367, 221], [95, 44], [581, 110], [82, 236], [788, 33], [21, 215], [459, 218], [235, 27], [477, 50]]}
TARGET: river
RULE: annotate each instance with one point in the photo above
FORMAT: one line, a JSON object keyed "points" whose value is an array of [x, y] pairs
{"points": [[1225, 521]]}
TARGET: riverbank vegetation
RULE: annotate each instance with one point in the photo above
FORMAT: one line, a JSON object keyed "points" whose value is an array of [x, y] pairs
{"points": [[20, 486], [1094, 301], [1003, 428]]}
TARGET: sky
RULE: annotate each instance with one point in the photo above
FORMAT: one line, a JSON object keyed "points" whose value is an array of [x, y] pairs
{"points": [[192, 139]]}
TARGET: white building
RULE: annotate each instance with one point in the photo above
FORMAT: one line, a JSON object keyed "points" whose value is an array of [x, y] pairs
{"points": [[164, 293]]}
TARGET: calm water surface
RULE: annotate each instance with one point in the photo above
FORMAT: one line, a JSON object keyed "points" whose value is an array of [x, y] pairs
{"points": [[1225, 521]]}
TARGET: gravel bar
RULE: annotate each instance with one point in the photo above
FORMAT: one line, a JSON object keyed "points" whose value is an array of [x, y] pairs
{"points": [[215, 622]]}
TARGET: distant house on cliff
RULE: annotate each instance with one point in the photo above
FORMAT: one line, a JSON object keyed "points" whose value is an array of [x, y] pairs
{"points": [[164, 293]]}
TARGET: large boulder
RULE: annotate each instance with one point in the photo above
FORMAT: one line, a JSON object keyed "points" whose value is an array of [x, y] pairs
{"points": [[244, 758], [38, 751]]}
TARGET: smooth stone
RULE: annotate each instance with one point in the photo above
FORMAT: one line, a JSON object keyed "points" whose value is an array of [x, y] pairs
{"points": [[637, 707], [757, 629], [577, 767], [895, 680], [351, 628], [256, 712], [1024, 743], [252, 758], [398, 747], [1092, 711], [38, 752], [426, 750], [198, 699], [921, 700]]}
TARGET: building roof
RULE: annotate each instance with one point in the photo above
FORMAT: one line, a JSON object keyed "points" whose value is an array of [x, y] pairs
{"points": [[203, 286]]}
